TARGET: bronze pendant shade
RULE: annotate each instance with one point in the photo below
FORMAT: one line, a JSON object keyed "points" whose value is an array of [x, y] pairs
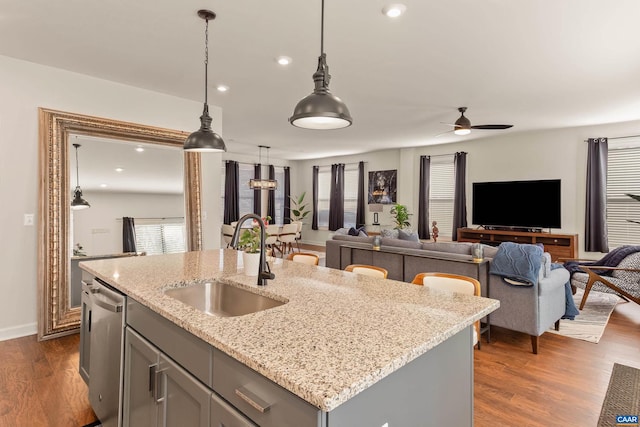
{"points": [[321, 109], [205, 139]]}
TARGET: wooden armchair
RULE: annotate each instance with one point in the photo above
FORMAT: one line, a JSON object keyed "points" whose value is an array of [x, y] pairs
{"points": [[624, 281]]}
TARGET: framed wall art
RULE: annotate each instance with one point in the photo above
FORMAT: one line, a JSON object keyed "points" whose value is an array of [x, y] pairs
{"points": [[383, 187]]}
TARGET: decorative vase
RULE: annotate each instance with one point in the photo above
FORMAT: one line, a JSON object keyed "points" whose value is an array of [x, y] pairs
{"points": [[476, 252], [251, 263], [377, 241]]}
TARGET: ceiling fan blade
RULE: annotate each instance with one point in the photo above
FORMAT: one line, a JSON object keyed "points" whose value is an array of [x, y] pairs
{"points": [[491, 127], [443, 133], [448, 124]]}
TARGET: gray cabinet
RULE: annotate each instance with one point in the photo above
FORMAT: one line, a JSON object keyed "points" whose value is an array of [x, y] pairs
{"points": [[158, 392]]}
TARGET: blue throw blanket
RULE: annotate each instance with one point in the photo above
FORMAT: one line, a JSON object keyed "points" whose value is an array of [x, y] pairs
{"points": [[570, 309], [517, 264], [612, 259]]}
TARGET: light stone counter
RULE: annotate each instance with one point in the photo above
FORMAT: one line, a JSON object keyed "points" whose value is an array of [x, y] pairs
{"points": [[337, 334]]}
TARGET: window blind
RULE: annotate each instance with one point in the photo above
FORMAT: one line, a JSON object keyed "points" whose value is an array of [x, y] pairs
{"points": [[623, 176], [160, 238], [441, 191]]}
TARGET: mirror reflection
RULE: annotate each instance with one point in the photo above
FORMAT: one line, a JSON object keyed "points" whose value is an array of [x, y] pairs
{"points": [[136, 202]]}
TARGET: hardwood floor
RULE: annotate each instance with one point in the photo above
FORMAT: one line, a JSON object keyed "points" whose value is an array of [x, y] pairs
{"points": [[564, 385], [40, 384]]}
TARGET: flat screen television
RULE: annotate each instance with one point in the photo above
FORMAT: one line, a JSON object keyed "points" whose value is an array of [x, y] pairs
{"points": [[517, 204]]}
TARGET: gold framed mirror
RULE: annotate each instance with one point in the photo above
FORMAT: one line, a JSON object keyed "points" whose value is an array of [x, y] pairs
{"points": [[55, 315]]}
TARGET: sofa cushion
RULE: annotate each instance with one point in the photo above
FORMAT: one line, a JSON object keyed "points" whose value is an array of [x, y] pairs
{"points": [[342, 231], [489, 251], [463, 248], [408, 235], [389, 233], [401, 243]]}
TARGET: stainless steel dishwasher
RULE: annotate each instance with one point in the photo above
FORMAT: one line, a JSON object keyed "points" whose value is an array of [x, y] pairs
{"points": [[106, 339]]}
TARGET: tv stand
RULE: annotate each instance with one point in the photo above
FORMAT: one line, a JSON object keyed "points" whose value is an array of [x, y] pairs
{"points": [[558, 245], [517, 229]]}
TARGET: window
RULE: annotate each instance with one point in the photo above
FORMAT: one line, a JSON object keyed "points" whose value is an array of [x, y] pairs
{"points": [[441, 193], [279, 196], [623, 177], [324, 190], [157, 237], [350, 195]]}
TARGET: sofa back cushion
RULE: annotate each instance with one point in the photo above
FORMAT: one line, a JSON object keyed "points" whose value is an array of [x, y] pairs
{"points": [[463, 248], [355, 239], [401, 243]]}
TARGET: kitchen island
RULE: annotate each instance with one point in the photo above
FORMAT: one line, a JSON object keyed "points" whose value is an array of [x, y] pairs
{"points": [[341, 342]]}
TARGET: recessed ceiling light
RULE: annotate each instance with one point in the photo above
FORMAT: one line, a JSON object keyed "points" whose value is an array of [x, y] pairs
{"points": [[222, 88], [103, 185], [139, 149], [283, 60], [394, 10], [119, 169]]}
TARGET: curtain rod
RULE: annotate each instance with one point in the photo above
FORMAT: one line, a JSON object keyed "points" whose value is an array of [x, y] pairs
{"points": [[163, 218], [620, 137], [443, 155]]}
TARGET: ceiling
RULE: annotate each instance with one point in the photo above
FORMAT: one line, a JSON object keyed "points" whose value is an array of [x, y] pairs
{"points": [[534, 64]]}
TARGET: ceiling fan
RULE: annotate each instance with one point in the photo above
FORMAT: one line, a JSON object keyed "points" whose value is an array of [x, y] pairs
{"points": [[462, 126]]}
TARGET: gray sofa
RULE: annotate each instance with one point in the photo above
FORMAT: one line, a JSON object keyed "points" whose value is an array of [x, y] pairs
{"points": [[529, 309]]}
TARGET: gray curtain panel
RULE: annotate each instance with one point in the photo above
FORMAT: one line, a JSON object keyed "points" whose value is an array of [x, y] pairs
{"points": [[360, 214], [336, 197], [128, 235], [231, 190], [286, 214], [459, 195], [595, 233], [314, 202], [271, 198], [257, 194], [423, 198]]}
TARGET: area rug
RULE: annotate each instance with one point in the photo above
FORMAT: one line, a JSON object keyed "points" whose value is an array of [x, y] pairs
{"points": [[622, 398], [590, 323]]}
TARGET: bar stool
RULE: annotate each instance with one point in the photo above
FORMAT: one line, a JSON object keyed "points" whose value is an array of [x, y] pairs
{"points": [[367, 270]]}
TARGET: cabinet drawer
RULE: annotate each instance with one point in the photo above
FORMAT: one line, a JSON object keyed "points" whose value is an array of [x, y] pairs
{"points": [[263, 401], [188, 350], [223, 414], [517, 239], [554, 241]]}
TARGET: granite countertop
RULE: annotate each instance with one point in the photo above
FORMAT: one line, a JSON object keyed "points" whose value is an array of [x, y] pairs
{"points": [[337, 334]]}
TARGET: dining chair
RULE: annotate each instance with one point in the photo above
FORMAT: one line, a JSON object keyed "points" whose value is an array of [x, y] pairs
{"points": [[227, 233], [287, 236], [452, 283], [304, 257], [298, 233], [271, 240], [368, 270]]}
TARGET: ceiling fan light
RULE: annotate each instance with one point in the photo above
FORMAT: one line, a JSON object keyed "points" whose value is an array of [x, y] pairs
{"points": [[462, 131]]}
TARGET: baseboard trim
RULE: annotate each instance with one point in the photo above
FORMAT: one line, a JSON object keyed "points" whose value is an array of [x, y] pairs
{"points": [[18, 331]]}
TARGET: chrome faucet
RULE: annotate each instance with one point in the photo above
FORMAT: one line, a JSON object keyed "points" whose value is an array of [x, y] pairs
{"points": [[264, 272]]}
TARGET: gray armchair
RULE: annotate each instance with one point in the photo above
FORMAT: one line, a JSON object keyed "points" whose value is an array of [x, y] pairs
{"points": [[530, 309]]}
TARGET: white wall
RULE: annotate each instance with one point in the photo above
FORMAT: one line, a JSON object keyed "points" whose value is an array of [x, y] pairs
{"points": [[27, 86], [99, 229], [552, 154]]}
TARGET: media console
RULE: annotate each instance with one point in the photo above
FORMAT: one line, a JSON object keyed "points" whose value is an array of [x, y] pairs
{"points": [[558, 245]]}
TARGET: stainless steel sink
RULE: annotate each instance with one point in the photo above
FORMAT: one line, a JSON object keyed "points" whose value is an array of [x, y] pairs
{"points": [[219, 299]]}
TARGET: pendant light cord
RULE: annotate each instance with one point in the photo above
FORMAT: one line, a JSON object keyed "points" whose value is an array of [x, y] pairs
{"points": [[206, 61], [322, 30], [77, 169]]}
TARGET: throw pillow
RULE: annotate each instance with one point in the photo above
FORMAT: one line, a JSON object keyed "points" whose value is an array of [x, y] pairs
{"points": [[391, 234], [342, 231], [408, 235]]}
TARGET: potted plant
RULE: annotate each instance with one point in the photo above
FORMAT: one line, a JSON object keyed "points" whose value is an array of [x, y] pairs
{"points": [[298, 208], [249, 243], [401, 216]]}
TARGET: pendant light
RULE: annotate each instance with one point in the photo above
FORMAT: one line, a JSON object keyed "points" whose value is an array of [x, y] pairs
{"points": [[321, 109], [263, 184], [205, 139], [78, 202]]}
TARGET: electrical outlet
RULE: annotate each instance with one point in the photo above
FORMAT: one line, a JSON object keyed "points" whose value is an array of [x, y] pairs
{"points": [[28, 219]]}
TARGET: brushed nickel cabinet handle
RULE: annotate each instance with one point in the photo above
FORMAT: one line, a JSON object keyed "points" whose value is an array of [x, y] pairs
{"points": [[252, 399]]}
